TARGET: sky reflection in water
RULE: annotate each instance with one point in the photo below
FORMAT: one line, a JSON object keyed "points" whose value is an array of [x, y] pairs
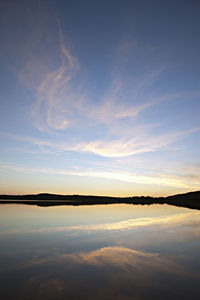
{"points": [[99, 252]]}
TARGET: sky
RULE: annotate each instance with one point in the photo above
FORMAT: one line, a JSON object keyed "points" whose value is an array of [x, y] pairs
{"points": [[100, 97]]}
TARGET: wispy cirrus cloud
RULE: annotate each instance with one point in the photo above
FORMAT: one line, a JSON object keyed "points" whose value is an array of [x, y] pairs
{"points": [[53, 74], [50, 91], [62, 107], [159, 179], [109, 148]]}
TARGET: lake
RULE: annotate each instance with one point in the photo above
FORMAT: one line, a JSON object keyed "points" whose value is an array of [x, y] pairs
{"points": [[99, 252]]}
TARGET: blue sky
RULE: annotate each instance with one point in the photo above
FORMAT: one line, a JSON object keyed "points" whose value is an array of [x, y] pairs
{"points": [[100, 97]]}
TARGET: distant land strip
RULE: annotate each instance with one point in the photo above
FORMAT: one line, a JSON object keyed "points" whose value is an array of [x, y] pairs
{"points": [[189, 200]]}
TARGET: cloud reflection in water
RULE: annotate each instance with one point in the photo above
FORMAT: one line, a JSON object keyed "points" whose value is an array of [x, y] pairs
{"points": [[106, 273], [122, 257]]}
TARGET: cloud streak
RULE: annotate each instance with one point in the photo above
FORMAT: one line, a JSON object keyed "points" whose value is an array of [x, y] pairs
{"points": [[110, 148], [50, 91], [121, 148], [161, 179]]}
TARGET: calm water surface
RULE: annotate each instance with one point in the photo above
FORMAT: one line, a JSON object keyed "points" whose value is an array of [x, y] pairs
{"points": [[99, 252]]}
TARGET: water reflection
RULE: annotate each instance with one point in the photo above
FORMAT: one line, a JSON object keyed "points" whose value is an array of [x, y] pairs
{"points": [[144, 257]]}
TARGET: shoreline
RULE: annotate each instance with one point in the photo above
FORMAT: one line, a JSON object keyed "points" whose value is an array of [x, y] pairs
{"points": [[188, 200]]}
